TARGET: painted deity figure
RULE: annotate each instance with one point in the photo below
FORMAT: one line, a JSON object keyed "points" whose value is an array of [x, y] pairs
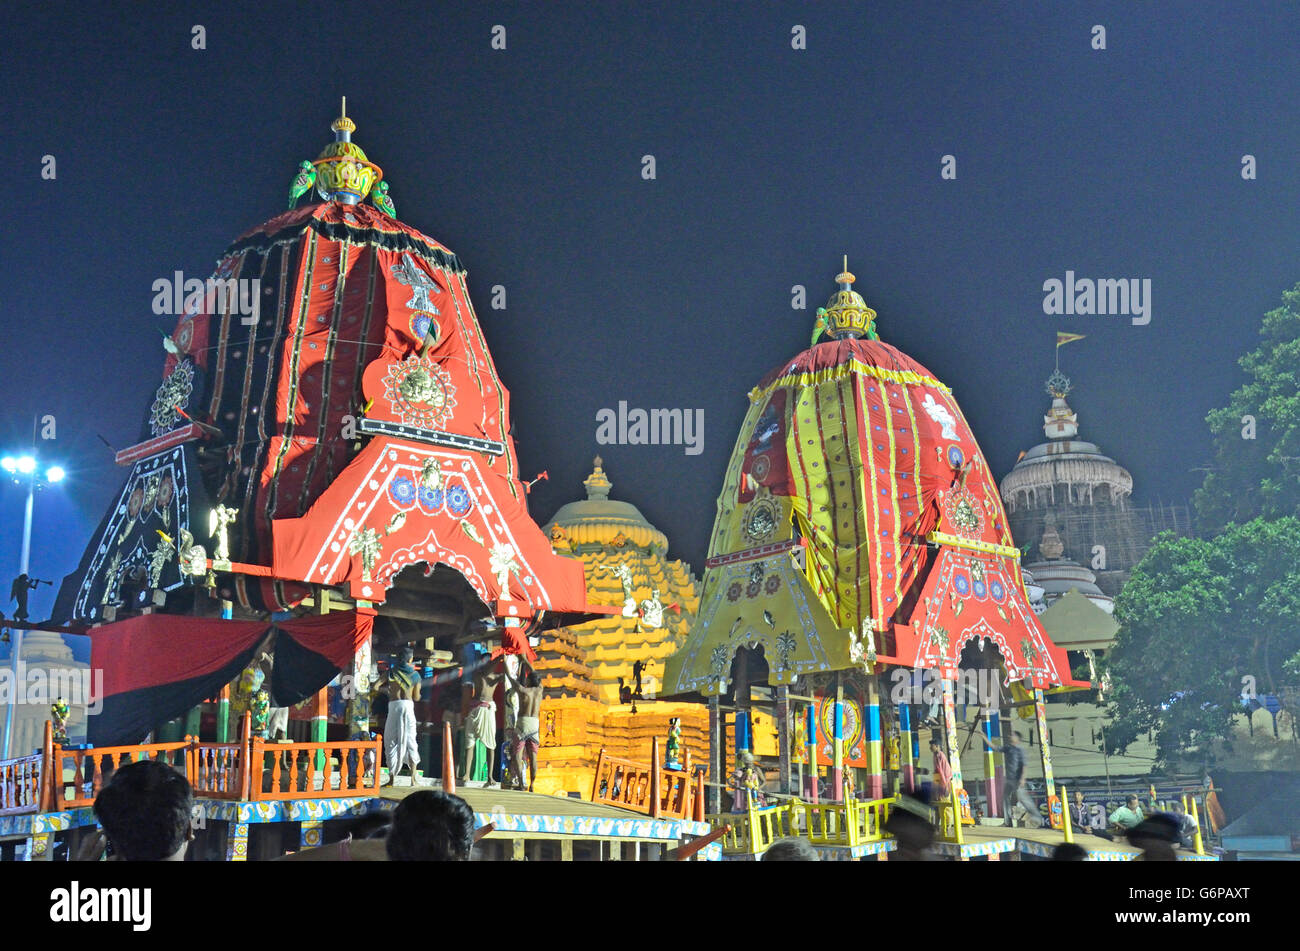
{"points": [[672, 755], [746, 783], [624, 573], [245, 691], [59, 720], [219, 521], [261, 710], [652, 611]]}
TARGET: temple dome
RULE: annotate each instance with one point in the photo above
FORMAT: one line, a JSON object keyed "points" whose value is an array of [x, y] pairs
{"points": [[1064, 464], [1055, 574], [600, 520]]}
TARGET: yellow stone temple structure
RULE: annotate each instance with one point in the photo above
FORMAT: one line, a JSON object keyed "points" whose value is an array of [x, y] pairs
{"points": [[602, 677]]}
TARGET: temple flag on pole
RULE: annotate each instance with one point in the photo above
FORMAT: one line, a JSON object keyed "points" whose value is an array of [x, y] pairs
{"points": [[1067, 338]]}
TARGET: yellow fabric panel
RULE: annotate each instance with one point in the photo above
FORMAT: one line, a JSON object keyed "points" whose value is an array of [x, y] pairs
{"points": [[831, 488], [728, 530], [783, 617]]}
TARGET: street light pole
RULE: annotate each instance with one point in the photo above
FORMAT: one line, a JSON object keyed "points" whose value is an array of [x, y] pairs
{"points": [[27, 467], [16, 639], [27, 524]]}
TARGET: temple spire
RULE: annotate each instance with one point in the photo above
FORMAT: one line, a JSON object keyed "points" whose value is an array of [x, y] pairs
{"points": [[597, 484], [846, 315], [343, 173]]}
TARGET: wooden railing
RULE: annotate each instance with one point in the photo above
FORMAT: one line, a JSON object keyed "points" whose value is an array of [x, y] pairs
{"points": [[844, 825], [250, 770], [830, 824], [90, 769], [220, 770], [22, 784], [649, 788], [871, 816], [755, 829], [836, 825], [317, 770], [622, 782]]}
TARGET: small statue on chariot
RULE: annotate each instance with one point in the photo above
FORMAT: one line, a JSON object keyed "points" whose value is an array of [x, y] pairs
{"points": [[59, 720], [673, 751], [746, 783]]}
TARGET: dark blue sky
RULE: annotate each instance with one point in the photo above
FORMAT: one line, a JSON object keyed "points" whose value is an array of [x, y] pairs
{"points": [[673, 293]]}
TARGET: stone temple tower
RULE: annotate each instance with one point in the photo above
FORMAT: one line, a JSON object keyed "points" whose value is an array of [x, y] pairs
{"points": [[1071, 505]]}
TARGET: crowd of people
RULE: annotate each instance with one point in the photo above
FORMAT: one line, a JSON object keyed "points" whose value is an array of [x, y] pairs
{"points": [[144, 813]]}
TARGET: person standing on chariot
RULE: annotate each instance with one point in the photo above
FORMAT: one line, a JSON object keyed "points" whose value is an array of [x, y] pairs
{"points": [[481, 724], [746, 783], [403, 683]]}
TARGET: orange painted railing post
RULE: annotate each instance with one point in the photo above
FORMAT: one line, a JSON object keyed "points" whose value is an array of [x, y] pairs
{"points": [[251, 763], [47, 769], [655, 800], [595, 783], [56, 757], [699, 797], [448, 760]]}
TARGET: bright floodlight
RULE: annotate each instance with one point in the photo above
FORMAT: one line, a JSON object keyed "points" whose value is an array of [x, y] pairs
{"points": [[26, 464], [55, 473], [8, 464]]}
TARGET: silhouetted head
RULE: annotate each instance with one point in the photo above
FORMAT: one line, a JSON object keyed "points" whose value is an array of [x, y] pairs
{"points": [[1069, 852], [911, 823], [790, 850], [145, 810], [1155, 836], [431, 826]]}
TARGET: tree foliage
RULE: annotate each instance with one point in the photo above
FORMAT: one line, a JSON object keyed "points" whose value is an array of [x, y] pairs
{"points": [[1260, 476], [1196, 617]]}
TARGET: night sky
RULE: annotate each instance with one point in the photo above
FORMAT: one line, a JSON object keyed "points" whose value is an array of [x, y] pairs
{"points": [[771, 164]]}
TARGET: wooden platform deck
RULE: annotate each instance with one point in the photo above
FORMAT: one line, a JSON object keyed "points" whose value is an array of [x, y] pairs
{"points": [[515, 801], [987, 841], [537, 816]]}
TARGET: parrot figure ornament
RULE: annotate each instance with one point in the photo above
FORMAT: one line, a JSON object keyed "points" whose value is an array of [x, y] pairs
{"points": [[380, 197], [819, 327], [302, 182]]}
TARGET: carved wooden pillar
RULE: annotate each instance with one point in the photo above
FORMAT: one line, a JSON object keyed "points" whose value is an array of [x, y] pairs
{"points": [[716, 776], [785, 737]]}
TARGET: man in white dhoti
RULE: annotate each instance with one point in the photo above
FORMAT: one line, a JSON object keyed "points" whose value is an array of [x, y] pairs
{"points": [[481, 725], [403, 683]]}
